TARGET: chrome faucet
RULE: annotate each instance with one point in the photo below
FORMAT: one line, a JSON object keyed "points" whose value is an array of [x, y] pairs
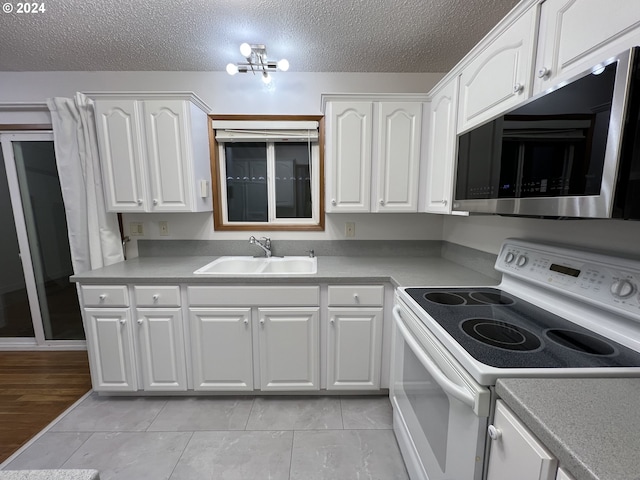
{"points": [[264, 245]]}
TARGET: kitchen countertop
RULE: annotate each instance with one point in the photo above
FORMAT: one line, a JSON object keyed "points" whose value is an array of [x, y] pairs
{"points": [[592, 425], [400, 271]]}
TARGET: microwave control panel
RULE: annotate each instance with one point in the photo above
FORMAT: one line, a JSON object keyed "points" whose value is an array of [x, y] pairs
{"points": [[607, 281]]}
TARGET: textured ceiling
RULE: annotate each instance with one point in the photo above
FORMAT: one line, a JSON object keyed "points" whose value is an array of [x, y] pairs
{"points": [[204, 35]]}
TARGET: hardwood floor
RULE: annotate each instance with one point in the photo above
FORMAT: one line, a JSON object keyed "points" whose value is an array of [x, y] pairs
{"points": [[36, 387]]}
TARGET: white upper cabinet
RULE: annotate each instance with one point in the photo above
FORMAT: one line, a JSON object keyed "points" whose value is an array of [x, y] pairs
{"points": [[575, 35], [154, 153], [499, 77], [399, 135], [373, 149], [349, 154], [441, 148]]}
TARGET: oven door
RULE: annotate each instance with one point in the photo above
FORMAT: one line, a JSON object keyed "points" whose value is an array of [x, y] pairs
{"points": [[440, 412]]}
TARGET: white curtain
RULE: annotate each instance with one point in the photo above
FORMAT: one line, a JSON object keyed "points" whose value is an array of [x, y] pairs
{"points": [[94, 236]]}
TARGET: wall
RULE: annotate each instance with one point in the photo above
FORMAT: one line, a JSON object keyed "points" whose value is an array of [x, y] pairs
{"points": [[487, 232], [289, 93]]}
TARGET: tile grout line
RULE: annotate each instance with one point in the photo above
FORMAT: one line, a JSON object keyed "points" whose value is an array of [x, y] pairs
{"points": [[293, 438], [181, 454], [166, 402], [341, 412], [253, 402]]}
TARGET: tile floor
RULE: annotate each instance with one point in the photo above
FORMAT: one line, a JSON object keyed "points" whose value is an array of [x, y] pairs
{"points": [[243, 438]]}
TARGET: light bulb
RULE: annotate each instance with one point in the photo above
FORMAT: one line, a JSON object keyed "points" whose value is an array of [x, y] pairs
{"points": [[598, 70], [245, 50], [283, 64], [266, 78], [232, 69]]}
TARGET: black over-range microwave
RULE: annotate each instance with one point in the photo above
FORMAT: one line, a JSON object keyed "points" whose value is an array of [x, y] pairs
{"points": [[572, 151]]}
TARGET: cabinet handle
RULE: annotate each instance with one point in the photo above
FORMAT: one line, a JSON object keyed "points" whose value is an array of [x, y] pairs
{"points": [[518, 88], [544, 72], [332, 320], [103, 297], [156, 297], [155, 201], [356, 298], [494, 433], [443, 202], [333, 201], [123, 321], [262, 322], [139, 201], [140, 321], [246, 322], [381, 201]]}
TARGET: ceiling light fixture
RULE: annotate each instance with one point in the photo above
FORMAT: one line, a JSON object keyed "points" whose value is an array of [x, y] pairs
{"points": [[256, 56]]}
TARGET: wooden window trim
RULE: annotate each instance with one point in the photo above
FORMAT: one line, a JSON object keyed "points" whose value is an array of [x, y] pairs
{"points": [[218, 224]]}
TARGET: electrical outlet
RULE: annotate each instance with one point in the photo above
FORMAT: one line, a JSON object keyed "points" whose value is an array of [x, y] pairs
{"points": [[135, 229], [350, 229], [164, 228]]}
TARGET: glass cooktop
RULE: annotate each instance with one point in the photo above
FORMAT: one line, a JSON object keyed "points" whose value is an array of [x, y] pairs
{"points": [[504, 331]]}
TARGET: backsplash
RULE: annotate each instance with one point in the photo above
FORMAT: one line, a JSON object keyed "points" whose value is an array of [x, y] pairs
{"points": [[477, 260]]}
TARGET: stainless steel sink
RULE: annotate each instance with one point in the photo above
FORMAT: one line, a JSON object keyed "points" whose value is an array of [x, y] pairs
{"points": [[260, 266]]}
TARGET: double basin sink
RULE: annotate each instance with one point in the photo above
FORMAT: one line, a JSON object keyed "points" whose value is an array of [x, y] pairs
{"points": [[260, 266]]}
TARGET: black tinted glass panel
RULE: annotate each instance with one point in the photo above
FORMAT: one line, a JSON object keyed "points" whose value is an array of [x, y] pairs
{"points": [[246, 171], [552, 147]]}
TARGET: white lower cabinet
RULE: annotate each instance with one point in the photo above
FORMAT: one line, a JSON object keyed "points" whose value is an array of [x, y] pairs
{"points": [[233, 338], [110, 349], [289, 348], [515, 451], [161, 347], [354, 348], [221, 348]]}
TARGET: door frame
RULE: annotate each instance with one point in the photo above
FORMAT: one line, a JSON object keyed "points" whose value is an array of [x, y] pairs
{"points": [[38, 341]]}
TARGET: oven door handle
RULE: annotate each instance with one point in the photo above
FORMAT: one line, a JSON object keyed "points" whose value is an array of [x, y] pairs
{"points": [[441, 379]]}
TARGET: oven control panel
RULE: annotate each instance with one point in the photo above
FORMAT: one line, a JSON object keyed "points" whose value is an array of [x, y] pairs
{"points": [[602, 279]]}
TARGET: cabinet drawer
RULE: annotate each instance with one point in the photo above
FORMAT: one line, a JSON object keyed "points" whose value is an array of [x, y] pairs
{"points": [[259, 296], [157, 296], [356, 296], [105, 295]]}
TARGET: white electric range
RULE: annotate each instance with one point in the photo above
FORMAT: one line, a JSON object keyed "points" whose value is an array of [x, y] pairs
{"points": [[558, 311]]}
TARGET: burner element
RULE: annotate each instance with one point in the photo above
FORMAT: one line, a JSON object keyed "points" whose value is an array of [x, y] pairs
{"points": [[501, 334], [491, 298], [444, 298], [580, 342]]}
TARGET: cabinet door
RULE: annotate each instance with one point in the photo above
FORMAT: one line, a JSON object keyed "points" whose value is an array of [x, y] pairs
{"points": [[441, 145], [110, 349], [576, 35], [162, 353], [398, 154], [168, 154], [354, 344], [500, 76], [289, 345], [221, 348], [349, 156], [516, 452], [119, 131]]}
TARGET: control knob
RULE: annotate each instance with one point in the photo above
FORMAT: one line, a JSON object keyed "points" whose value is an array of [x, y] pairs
{"points": [[522, 261], [509, 257], [622, 288]]}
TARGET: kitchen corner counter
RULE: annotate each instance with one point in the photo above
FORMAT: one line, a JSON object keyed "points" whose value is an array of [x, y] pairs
{"points": [[591, 425], [400, 271]]}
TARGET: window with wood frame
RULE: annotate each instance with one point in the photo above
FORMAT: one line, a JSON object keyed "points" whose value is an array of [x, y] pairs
{"points": [[267, 172]]}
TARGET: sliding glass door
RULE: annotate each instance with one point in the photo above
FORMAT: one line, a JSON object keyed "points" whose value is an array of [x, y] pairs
{"points": [[39, 225]]}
